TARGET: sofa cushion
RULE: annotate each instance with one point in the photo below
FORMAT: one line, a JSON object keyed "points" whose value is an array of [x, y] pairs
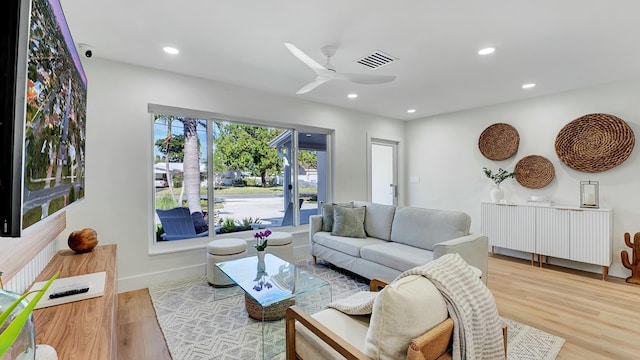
{"points": [[348, 222], [397, 256], [327, 214], [423, 228], [353, 329], [347, 245], [377, 219], [403, 310]]}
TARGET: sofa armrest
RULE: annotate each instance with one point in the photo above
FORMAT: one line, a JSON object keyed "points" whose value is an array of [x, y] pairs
{"points": [[315, 225], [473, 248], [293, 314]]}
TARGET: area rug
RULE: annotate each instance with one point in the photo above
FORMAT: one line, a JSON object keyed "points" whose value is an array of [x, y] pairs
{"points": [[196, 327]]}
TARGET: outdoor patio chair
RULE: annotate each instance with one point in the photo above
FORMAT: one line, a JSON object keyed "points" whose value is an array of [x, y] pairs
{"points": [[178, 224]]}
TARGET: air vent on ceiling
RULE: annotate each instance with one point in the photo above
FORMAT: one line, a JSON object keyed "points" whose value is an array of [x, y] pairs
{"points": [[376, 59]]}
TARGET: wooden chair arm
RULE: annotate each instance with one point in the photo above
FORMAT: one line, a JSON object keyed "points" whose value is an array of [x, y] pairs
{"points": [[504, 338], [433, 344], [377, 284], [294, 314]]}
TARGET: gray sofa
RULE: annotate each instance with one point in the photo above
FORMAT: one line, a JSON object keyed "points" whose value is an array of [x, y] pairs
{"points": [[397, 239]]}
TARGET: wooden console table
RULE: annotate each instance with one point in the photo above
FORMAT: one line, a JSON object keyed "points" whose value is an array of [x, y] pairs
{"points": [[83, 329]]}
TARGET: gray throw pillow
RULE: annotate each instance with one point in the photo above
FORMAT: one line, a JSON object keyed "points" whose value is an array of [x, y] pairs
{"points": [[348, 222], [327, 215]]}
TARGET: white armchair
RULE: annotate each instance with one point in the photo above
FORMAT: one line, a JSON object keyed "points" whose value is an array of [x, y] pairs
{"points": [[409, 319]]}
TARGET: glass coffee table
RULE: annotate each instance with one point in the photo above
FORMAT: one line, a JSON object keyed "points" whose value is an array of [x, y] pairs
{"points": [[269, 289]]}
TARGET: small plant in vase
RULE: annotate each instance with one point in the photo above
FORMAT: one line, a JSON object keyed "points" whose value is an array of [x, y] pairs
{"points": [[501, 175], [16, 321], [261, 245], [261, 239]]}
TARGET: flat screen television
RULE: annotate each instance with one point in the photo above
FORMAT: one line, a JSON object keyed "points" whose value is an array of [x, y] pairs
{"points": [[43, 93]]}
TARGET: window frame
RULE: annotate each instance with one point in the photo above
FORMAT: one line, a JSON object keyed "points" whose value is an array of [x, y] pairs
{"points": [[165, 247]]}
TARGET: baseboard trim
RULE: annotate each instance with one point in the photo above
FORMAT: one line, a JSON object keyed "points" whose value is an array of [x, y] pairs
{"points": [[143, 281]]}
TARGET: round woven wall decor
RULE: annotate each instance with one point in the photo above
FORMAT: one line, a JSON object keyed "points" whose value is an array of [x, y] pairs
{"points": [[594, 143], [534, 171], [499, 141]]}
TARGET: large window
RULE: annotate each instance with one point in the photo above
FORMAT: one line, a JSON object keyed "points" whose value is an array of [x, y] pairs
{"points": [[180, 177], [214, 177]]}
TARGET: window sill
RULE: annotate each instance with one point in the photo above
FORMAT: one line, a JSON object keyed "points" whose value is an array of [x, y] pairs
{"points": [[176, 246]]}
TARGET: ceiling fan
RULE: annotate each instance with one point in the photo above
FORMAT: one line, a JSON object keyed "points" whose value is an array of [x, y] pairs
{"points": [[328, 72]]}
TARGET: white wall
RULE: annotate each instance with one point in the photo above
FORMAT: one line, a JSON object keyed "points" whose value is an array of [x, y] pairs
{"points": [[443, 151], [119, 144]]}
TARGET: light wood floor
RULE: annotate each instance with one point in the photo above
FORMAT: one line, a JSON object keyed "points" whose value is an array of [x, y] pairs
{"points": [[599, 320], [139, 335]]}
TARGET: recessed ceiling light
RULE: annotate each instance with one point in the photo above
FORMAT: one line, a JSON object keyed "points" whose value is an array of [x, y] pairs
{"points": [[528, 86], [487, 51], [352, 96], [307, 135], [171, 50], [411, 111]]}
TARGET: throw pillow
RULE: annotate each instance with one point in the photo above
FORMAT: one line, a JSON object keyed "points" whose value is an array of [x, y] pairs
{"points": [[348, 222], [402, 311], [327, 215], [360, 303]]}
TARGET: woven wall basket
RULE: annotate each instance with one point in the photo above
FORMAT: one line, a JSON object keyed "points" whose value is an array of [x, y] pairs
{"points": [[499, 141], [534, 171], [594, 143]]}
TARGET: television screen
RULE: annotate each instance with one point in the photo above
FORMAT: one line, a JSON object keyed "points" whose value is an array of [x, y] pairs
{"points": [[47, 105]]}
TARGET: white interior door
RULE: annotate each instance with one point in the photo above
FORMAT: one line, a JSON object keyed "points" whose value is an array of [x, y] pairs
{"points": [[384, 177]]}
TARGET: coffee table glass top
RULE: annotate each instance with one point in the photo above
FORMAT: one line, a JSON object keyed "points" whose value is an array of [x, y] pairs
{"points": [[278, 281]]}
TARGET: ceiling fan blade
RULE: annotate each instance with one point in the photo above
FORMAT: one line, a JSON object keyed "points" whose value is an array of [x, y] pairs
{"points": [[314, 65], [365, 78], [312, 85]]}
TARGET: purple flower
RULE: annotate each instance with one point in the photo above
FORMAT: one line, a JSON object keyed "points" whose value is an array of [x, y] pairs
{"points": [[261, 239]]}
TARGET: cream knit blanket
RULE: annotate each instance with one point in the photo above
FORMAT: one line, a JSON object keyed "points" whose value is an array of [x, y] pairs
{"points": [[477, 331]]}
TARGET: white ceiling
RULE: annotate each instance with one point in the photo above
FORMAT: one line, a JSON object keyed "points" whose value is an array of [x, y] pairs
{"points": [[557, 44]]}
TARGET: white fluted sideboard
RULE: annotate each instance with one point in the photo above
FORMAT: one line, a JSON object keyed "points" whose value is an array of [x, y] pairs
{"points": [[565, 232]]}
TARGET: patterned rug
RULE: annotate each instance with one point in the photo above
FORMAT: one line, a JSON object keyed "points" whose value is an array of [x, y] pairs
{"points": [[196, 327]]}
